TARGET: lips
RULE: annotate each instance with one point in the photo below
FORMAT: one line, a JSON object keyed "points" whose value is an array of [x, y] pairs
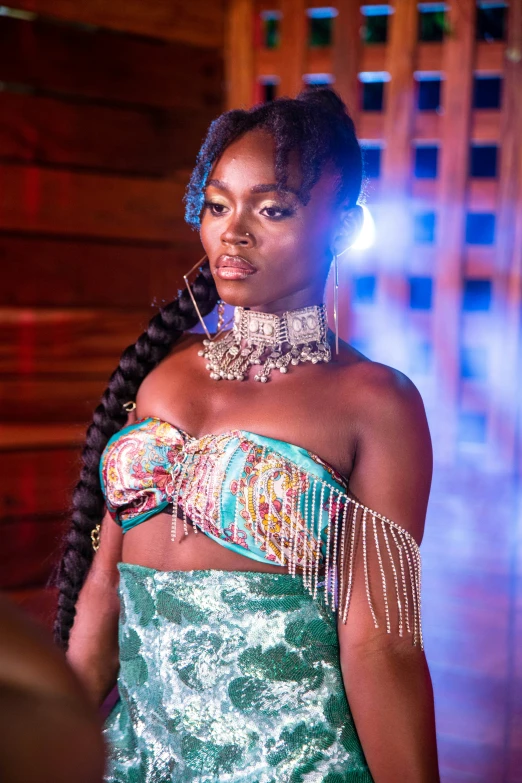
{"points": [[234, 267]]}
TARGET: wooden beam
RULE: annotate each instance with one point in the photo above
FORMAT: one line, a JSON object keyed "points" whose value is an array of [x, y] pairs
{"points": [[506, 358], [453, 172], [63, 343], [200, 23], [394, 189], [66, 134], [239, 54], [346, 51], [429, 57], [56, 202], [92, 274], [97, 64], [294, 43]]}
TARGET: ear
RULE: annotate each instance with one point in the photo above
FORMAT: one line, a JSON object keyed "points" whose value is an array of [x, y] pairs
{"points": [[348, 228]]}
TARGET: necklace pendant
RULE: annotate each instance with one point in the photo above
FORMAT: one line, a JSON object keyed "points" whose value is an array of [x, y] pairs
{"points": [[269, 340]]}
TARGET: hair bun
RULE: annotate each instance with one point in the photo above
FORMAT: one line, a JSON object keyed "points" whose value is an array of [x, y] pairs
{"points": [[325, 98]]}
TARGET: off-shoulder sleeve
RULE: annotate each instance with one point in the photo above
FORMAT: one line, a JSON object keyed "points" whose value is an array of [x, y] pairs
{"points": [[378, 555]]}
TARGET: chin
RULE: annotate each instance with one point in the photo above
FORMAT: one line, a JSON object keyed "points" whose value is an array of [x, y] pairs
{"points": [[237, 294]]}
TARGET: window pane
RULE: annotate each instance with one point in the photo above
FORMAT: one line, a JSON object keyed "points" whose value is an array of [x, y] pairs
{"points": [[364, 289], [269, 89], [483, 160], [372, 161], [420, 293], [372, 96], [476, 295], [424, 228], [431, 25], [429, 94], [320, 31], [271, 28], [491, 22], [472, 427], [473, 363], [480, 228], [426, 158], [487, 92], [375, 29]]}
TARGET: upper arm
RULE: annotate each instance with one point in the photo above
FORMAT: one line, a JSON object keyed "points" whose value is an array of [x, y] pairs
{"points": [[391, 476]]}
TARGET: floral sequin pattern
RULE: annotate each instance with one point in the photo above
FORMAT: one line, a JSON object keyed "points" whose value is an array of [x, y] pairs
{"points": [[268, 504], [136, 469], [231, 676]]}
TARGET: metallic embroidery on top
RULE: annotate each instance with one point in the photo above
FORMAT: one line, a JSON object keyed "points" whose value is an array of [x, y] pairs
{"points": [[271, 501]]}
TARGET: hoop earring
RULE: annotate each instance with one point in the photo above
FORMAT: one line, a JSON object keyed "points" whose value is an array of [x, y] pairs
{"points": [[221, 326], [336, 303], [336, 297]]}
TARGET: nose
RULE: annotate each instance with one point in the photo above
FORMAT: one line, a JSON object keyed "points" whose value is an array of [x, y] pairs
{"points": [[235, 234]]}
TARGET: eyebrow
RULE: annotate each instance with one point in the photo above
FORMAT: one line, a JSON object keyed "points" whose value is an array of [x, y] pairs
{"points": [[263, 188]]}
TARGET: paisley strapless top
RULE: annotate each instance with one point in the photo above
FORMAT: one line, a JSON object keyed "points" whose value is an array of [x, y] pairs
{"points": [[268, 499]]}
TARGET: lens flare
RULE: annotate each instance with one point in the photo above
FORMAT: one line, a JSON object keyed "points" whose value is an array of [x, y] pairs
{"points": [[366, 237]]}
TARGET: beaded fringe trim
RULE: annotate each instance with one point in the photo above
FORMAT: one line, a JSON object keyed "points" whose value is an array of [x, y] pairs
{"points": [[283, 507]]}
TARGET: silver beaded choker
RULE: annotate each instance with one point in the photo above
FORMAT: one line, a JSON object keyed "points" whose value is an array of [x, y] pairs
{"points": [[269, 340]]}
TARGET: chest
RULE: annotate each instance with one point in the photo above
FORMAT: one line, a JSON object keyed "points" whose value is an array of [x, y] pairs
{"points": [[306, 406]]}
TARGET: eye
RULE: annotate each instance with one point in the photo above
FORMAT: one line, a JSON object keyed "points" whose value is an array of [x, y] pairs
{"points": [[283, 212], [212, 205]]}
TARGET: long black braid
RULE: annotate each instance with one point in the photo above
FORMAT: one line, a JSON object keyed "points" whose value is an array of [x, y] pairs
{"points": [[317, 125]]}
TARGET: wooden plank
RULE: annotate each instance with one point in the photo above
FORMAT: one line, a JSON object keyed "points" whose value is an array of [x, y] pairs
{"points": [[30, 550], [429, 58], [36, 399], [38, 602], [481, 194], [198, 23], [395, 178], [56, 202], [489, 57], [480, 261], [14, 437], [44, 480], [485, 125], [141, 142], [80, 343], [426, 126], [92, 274], [506, 369], [453, 173], [346, 54], [99, 64], [56, 132], [370, 125], [294, 38], [239, 54]]}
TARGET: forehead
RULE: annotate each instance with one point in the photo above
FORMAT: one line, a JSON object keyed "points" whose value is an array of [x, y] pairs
{"points": [[250, 161]]}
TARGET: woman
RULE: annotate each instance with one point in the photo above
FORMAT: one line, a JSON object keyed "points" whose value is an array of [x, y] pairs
{"points": [[270, 621]]}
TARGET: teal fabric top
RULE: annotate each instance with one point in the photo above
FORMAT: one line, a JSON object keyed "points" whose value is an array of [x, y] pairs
{"points": [[271, 501], [263, 497]]}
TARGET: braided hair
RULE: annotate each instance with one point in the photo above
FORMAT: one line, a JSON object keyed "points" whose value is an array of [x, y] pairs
{"points": [[317, 125]]}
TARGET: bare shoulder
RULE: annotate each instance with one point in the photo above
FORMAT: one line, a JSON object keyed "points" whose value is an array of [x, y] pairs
{"points": [[383, 391], [394, 458], [173, 367]]}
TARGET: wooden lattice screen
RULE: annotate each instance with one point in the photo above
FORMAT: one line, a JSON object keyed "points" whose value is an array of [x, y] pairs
{"points": [[436, 93]]}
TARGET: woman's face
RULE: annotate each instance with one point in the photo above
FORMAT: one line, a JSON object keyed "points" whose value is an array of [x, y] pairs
{"points": [[266, 249]]}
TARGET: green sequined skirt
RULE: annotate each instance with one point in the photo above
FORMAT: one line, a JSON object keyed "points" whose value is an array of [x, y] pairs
{"points": [[228, 676]]}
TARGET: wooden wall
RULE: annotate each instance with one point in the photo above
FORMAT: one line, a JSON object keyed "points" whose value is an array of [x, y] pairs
{"points": [[285, 56], [103, 108]]}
